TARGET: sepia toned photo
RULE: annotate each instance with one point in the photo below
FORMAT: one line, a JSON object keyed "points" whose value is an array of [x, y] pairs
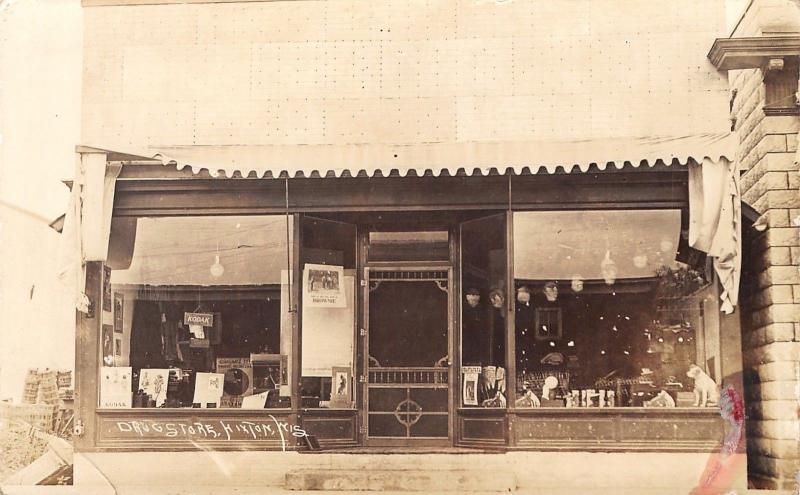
{"points": [[538, 247]]}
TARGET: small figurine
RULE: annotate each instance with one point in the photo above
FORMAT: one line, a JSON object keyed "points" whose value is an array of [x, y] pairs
{"points": [[528, 400], [705, 389], [550, 383], [499, 400], [663, 399]]}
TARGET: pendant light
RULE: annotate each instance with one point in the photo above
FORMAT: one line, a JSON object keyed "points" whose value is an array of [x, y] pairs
{"points": [[217, 269], [609, 269]]}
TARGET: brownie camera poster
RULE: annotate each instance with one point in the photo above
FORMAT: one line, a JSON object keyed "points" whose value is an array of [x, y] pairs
{"points": [[323, 286]]}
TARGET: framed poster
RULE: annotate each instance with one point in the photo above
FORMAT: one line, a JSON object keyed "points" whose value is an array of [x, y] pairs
{"points": [[108, 345], [119, 304], [341, 387], [548, 323], [106, 288]]}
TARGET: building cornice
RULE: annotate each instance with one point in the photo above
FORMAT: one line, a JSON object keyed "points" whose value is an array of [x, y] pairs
{"points": [[751, 53]]}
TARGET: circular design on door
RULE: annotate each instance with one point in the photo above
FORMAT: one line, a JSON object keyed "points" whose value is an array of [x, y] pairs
{"points": [[408, 412]]}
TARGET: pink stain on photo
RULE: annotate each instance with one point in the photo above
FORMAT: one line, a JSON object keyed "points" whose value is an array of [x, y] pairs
{"points": [[724, 465]]}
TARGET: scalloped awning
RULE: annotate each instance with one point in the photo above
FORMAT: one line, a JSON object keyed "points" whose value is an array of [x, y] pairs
{"points": [[437, 158], [714, 209]]}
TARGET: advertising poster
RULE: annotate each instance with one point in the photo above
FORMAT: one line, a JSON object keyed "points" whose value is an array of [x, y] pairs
{"points": [[115, 387], [208, 388], [470, 381], [238, 380], [154, 383], [323, 286]]}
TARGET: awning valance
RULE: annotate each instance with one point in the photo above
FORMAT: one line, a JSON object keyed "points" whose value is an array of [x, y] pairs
{"points": [[448, 158]]}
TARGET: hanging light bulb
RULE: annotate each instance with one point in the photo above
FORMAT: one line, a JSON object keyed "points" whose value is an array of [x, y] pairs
{"points": [[609, 269], [217, 269]]}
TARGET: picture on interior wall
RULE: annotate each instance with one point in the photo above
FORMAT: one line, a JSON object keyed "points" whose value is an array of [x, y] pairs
{"points": [[118, 309], [108, 345], [548, 323], [323, 286], [106, 288]]}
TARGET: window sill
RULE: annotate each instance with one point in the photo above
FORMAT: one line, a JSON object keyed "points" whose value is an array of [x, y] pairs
{"points": [[160, 411], [552, 411]]}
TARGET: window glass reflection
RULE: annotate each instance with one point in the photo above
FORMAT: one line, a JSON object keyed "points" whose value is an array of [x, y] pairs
{"points": [[199, 315], [606, 314]]}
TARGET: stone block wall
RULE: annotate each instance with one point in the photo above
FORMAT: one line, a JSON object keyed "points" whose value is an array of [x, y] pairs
{"points": [[770, 183]]}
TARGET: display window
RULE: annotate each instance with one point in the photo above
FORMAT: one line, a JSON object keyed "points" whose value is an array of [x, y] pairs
{"points": [[198, 314], [483, 312], [612, 309]]}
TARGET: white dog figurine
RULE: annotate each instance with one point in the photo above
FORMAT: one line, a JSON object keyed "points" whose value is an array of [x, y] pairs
{"points": [[705, 389]]}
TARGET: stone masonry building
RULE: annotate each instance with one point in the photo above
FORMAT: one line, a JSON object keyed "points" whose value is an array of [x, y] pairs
{"points": [[761, 56]]}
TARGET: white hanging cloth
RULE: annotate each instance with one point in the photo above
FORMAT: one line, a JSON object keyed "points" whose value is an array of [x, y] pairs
{"points": [[87, 223], [715, 222]]}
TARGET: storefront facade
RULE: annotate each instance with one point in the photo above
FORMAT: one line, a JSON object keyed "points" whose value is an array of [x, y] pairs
{"points": [[334, 239], [418, 338]]}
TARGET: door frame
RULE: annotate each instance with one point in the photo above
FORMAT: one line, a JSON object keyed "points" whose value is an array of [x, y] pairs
{"points": [[364, 358]]}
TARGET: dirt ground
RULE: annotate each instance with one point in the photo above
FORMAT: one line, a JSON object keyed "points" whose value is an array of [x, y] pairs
{"points": [[17, 448]]}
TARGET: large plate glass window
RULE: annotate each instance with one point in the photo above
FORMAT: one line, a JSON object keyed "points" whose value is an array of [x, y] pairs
{"points": [[612, 309], [196, 313]]}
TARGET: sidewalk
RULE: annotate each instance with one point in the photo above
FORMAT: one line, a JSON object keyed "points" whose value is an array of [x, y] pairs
{"points": [[176, 490]]}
